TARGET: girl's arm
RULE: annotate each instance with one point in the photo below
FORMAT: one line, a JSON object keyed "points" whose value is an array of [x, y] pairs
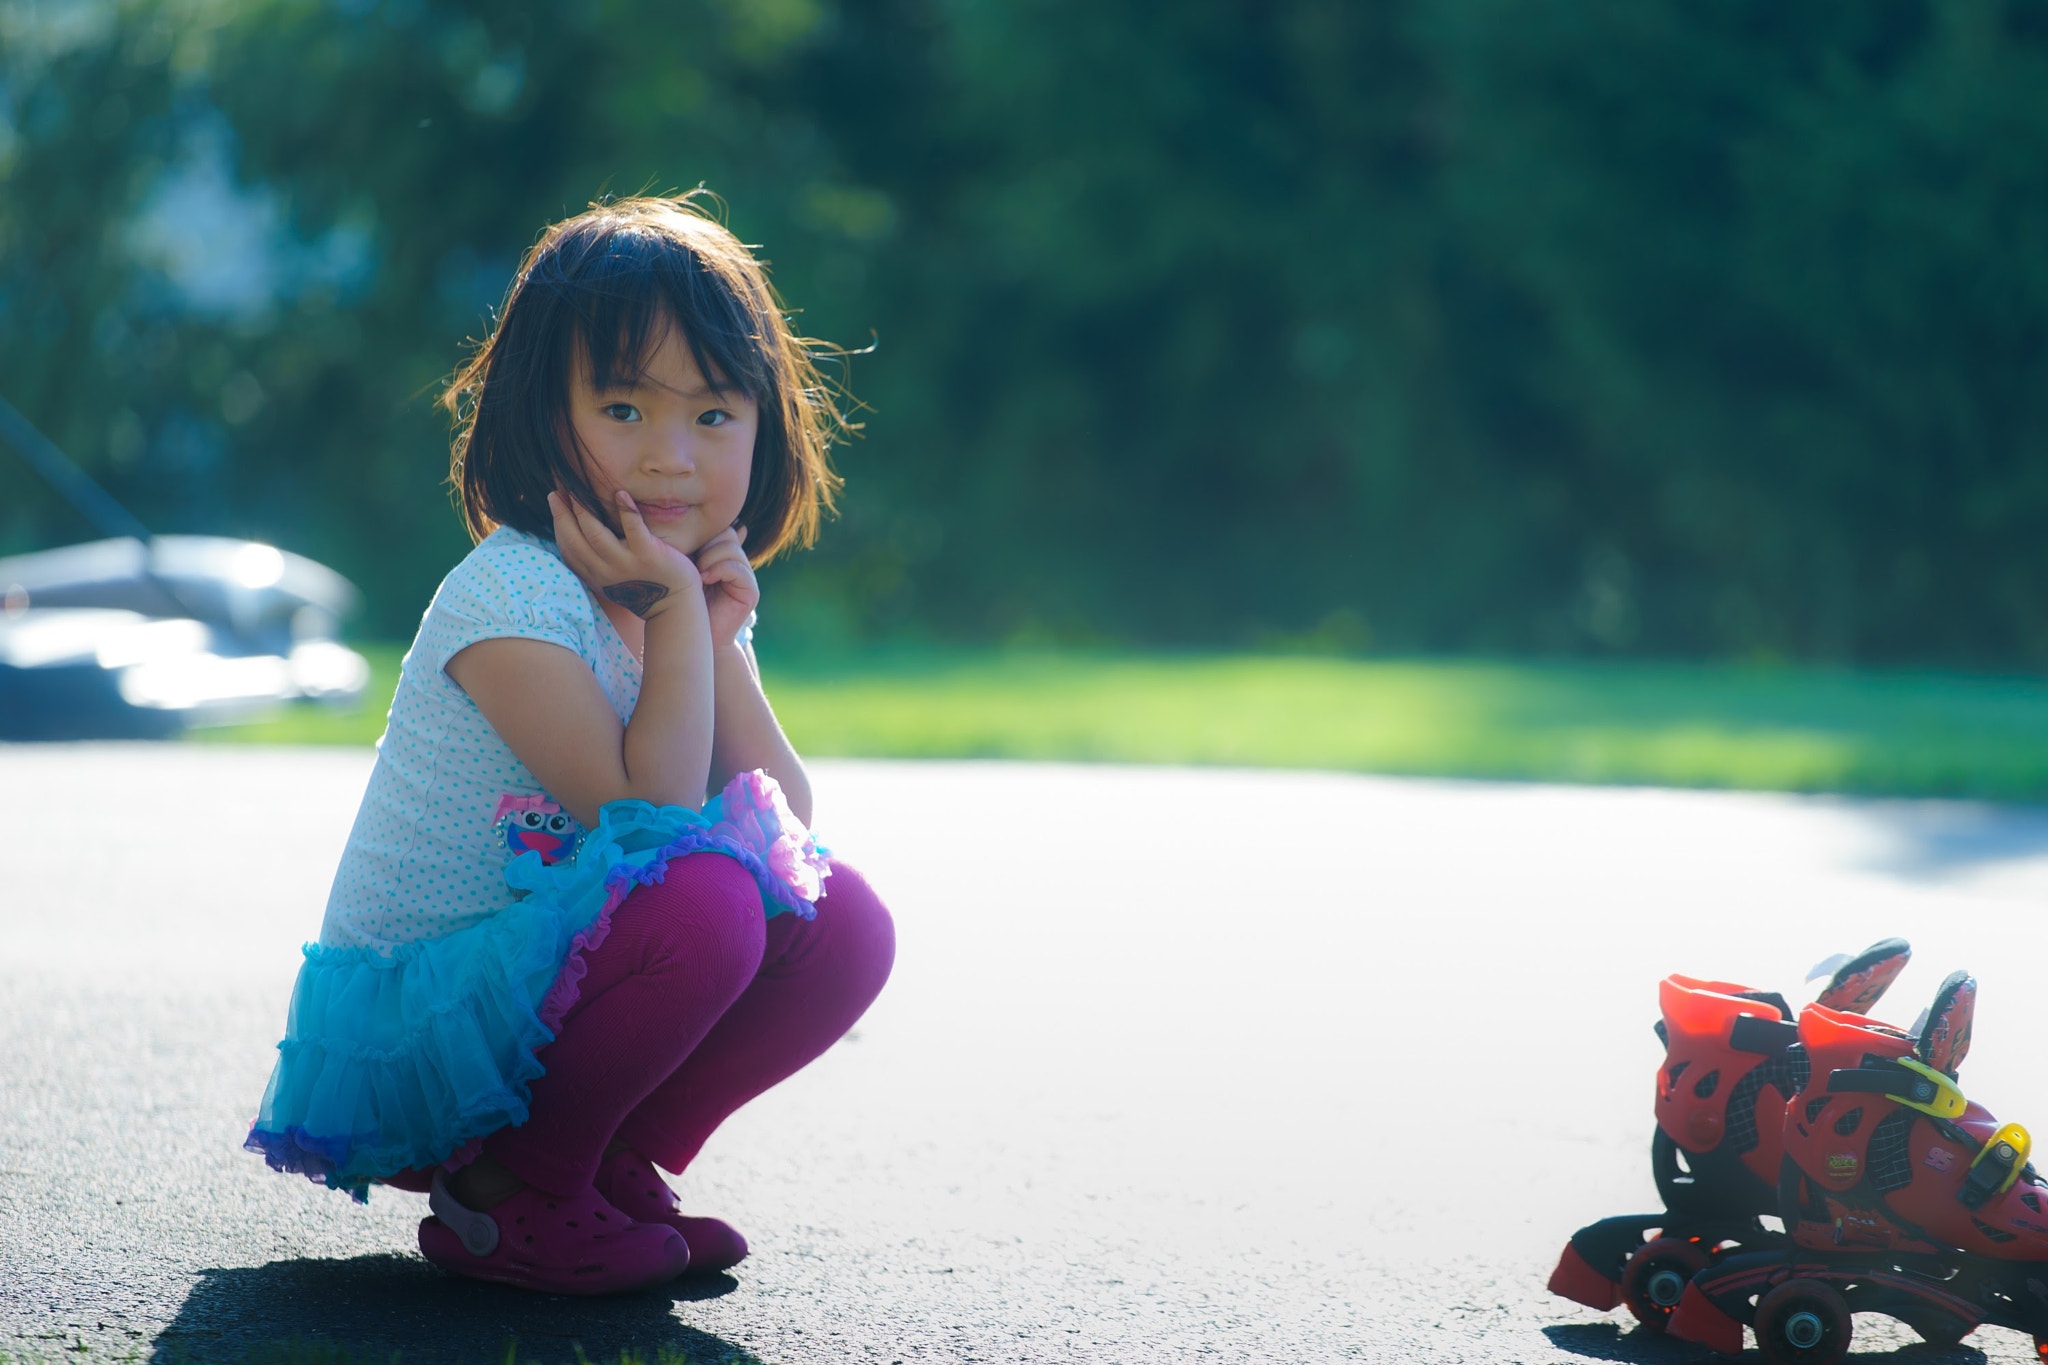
{"points": [[545, 703], [745, 733]]}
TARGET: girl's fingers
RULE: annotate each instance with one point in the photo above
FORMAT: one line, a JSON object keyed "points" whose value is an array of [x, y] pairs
{"points": [[638, 538], [569, 512], [725, 545], [594, 528], [568, 531], [720, 546], [733, 581], [587, 544], [642, 553], [721, 562], [641, 545]]}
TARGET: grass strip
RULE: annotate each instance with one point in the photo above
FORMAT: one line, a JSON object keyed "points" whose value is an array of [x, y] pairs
{"points": [[1689, 725]]}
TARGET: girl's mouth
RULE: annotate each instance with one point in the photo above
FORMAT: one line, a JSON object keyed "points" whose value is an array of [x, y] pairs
{"points": [[664, 511]]}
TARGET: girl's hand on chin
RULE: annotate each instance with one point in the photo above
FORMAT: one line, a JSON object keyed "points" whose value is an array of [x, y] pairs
{"points": [[639, 571], [730, 592]]}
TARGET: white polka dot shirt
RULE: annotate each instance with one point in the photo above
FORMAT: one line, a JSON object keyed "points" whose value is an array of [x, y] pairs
{"points": [[427, 853]]}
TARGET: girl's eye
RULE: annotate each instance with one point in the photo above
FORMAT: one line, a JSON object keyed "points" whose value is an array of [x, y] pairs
{"points": [[621, 412], [717, 417]]}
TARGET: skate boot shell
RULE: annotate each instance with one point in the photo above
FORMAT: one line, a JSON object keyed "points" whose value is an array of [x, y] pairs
{"points": [[1898, 1194], [1732, 1058]]}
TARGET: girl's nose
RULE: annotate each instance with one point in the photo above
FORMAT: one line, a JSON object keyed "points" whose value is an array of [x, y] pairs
{"points": [[677, 455]]}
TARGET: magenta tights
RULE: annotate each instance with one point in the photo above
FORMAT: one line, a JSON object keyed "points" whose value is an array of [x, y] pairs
{"points": [[691, 1006]]}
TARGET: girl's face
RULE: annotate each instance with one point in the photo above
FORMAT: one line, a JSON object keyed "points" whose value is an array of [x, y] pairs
{"points": [[683, 450]]}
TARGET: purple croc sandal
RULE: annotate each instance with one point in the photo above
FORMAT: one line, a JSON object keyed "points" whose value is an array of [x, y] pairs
{"points": [[630, 1181], [578, 1244]]}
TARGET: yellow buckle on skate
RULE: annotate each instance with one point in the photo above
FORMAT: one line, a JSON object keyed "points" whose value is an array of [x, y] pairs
{"points": [[1938, 1096], [1997, 1166]]}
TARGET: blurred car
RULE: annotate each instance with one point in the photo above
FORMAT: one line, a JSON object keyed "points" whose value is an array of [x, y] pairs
{"points": [[134, 637]]}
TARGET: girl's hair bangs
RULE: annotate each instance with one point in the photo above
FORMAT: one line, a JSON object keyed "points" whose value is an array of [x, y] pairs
{"points": [[645, 287]]}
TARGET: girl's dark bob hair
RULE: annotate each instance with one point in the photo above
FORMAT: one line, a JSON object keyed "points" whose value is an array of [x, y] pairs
{"points": [[606, 284]]}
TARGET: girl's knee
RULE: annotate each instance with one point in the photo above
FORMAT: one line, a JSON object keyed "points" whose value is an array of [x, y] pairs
{"points": [[705, 914], [713, 877], [860, 925]]}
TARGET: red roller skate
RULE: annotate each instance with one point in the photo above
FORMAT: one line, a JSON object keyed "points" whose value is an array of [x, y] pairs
{"points": [[1899, 1196], [1731, 1058]]}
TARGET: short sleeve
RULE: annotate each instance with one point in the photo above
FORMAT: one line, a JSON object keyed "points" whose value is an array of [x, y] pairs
{"points": [[510, 587]]}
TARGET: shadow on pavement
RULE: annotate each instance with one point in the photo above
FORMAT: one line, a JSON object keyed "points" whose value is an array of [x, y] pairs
{"points": [[1930, 840], [1606, 1341], [373, 1306]]}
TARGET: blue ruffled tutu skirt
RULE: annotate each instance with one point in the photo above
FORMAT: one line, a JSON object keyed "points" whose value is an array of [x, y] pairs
{"points": [[400, 1061]]}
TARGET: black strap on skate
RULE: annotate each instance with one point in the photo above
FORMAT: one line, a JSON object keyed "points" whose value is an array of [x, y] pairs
{"points": [[1987, 1176], [1769, 1037], [2002, 1161], [1908, 1082], [1880, 1080]]}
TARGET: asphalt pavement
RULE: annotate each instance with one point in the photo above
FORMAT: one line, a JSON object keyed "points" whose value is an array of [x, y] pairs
{"points": [[1176, 1064]]}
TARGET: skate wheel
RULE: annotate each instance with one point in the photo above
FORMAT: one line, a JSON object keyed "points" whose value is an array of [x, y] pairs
{"points": [[1803, 1322], [1656, 1275]]}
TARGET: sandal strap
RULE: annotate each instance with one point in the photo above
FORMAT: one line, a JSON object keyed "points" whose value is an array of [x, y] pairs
{"points": [[478, 1231]]}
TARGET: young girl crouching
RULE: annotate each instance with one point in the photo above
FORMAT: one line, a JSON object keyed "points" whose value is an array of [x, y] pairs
{"points": [[548, 963]]}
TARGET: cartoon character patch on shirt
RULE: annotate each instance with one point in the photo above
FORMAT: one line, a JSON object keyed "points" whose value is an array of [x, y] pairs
{"points": [[534, 824]]}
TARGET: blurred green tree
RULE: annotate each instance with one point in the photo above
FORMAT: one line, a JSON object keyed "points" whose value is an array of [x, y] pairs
{"points": [[1460, 325]]}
